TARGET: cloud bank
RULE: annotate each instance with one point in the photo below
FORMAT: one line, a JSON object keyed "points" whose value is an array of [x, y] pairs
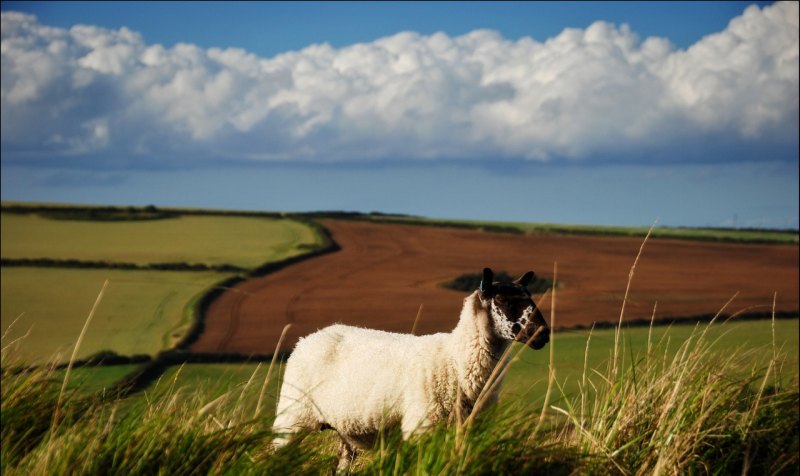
{"points": [[600, 91]]}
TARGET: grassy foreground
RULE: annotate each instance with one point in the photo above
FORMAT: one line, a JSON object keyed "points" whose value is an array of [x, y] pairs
{"points": [[682, 406], [527, 378], [526, 381]]}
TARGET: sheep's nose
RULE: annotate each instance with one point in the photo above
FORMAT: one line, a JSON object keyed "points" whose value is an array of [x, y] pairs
{"points": [[540, 338]]}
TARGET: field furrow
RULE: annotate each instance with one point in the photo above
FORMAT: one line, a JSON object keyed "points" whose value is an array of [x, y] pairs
{"points": [[384, 272]]}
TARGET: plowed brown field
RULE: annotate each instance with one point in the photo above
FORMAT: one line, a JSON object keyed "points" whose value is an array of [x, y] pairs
{"points": [[383, 273]]}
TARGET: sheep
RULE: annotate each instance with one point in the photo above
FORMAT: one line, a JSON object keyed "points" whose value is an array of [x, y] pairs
{"points": [[360, 381]]}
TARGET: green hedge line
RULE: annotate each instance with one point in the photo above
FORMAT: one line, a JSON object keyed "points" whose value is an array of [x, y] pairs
{"points": [[111, 213], [66, 212], [672, 320], [74, 263]]}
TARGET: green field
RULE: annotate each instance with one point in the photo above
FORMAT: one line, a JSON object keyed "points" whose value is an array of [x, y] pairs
{"points": [[527, 379], [95, 379], [704, 234], [213, 379], [142, 312], [211, 240], [230, 381]]}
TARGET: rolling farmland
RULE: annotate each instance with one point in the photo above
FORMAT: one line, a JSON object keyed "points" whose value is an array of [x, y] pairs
{"points": [[143, 311], [378, 278], [384, 272]]}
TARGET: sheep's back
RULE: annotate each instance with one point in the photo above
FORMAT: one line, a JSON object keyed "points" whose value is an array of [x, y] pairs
{"points": [[351, 376]]}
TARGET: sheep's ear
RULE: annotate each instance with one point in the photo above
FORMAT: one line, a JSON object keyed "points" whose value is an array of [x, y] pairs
{"points": [[525, 279], [486, 282]]}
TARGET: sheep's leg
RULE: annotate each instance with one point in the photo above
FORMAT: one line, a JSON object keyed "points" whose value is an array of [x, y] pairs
{"points": [[286, 426], [347, 454], [282, 434], [412, 426]]}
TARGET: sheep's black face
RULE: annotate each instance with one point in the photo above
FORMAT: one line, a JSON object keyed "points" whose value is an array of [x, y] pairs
{"points": [[514, 314]]}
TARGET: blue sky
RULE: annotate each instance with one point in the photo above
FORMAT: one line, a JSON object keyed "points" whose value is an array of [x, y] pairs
{"points": [[270, 28], [600, 112]]}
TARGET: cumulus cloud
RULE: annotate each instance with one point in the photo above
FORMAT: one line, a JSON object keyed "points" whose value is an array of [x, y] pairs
{"points": [[599, 91]]}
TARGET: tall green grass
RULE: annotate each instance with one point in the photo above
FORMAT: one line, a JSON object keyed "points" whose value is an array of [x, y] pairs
{"points": [[49, 427], [694, 412]]}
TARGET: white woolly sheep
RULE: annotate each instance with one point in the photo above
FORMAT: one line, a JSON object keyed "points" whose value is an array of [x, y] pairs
{"points": [[361, 381]]}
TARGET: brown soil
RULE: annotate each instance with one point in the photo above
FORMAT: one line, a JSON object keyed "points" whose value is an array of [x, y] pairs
{"points": [[383, 274]]}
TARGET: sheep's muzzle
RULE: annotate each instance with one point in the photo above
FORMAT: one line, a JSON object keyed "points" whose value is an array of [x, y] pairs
{"points": [[536, 333]]}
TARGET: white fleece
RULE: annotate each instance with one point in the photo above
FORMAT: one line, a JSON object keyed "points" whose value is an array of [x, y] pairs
{"points": [[359, 380]]}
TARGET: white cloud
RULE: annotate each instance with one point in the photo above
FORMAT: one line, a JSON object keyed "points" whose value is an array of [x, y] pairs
{"points": [[581, 94]]}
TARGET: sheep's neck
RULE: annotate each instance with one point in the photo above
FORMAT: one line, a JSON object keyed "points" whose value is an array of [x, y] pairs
{"points": [[477, 349]]}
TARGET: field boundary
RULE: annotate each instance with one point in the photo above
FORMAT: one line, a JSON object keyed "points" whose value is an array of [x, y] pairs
{"points": [[150, 212], [686, 320], [152, 368], [328, 245], [179, 354], [688, 234], [83, 264]]}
